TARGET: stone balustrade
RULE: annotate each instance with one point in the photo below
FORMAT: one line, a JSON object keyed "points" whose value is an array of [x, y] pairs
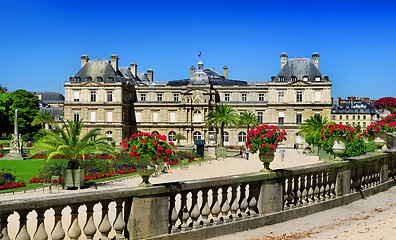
{"points": [[198, 209]]}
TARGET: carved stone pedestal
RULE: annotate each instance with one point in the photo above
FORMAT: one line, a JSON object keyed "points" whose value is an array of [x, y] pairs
{"points": [[212, 151]]}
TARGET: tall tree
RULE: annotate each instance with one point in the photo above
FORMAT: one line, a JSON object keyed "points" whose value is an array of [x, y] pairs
{"points": [[5, 104], [248, 119], [43, 117], [221, 117], [311, 128], [178, 137], [70, 143]]}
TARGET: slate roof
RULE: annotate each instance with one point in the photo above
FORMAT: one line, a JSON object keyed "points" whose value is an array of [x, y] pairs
{"points": [[299, 67], [352, 106], [50, 97]]}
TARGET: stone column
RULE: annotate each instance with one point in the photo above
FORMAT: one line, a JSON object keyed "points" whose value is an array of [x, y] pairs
{"points": [[343, 182], [271, 197], [149, 217]]}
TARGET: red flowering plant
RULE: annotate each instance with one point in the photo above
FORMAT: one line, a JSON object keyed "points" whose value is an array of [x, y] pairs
{"points": [[354, 144], [386, 103], [390, 118], [143, 144], [381, 126], [265, 138]]}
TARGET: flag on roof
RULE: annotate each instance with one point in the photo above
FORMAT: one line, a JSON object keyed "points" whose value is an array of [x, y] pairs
{"points": [[199, 54]]}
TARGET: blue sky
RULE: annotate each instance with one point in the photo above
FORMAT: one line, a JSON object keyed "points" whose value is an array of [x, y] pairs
{"points": [[42, 41]]}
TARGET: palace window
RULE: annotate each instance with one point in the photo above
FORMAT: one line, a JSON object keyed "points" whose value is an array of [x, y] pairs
{"points": [[244, 97], [317, 79], [281, 96], [159, 97], [197, 118], [260, 117], [242, 137], [176, 97], [109, 136], [93, 96], [138, 116], [197, 136], [171, 136], [318, 96], [143, 97], [364, 117], [294, 78], [347, 117], [340, 117], [109, 116], [299, 118], [353, 117], [364, 124], [226, 137], [305, 78], [76, 96], [172, 117], [93, 116], [358, 117], [155, 133], [76, 116], [226, 97], [299, 96], [155, 117], [281, 117], [261, 97], [109, 96], [281, 79]]}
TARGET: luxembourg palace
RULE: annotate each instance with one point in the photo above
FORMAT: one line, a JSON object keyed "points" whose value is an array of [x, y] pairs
{"points": [[122, 101]]}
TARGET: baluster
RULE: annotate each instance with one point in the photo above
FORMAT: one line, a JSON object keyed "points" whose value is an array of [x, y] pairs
{"points": [[173, 214], [105, 226], [332, 179], [74, 231], [195, 213], [215, 209], [235, 203], [243, 203], [325, 186], [252, 200], [205, 210], [40, 233], [320, 187], [308, 199], [353, 180], [295, 191], [58, 233], [119, 223], [289, 193], [315, 188], [303, 191], [184, 213], [89, 228], [3, 226], [23, 233], [225, 206]]}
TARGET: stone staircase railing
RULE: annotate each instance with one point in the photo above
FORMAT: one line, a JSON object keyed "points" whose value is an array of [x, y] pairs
{"points": [[198, 209]]}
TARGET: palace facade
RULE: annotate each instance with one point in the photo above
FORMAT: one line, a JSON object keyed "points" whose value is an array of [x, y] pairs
{"points": [[122, 101]]}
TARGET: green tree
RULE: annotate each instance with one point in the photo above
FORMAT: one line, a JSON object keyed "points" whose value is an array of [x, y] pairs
{"points": [[5, 104], [221, 117], [43, 117], [248, 119], [70, 143], [311, 128], [178, 137]]}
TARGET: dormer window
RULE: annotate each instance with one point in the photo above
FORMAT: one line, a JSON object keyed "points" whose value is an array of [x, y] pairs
{"points": [[317, 78], [99, 79], [111, 79], [294, 78], [305, 78], [78, 79], [88, 79], [281, 79]]}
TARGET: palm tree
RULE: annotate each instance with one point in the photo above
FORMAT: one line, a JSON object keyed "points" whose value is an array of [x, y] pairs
{"points": [[222, 116], [248, 119], [178, 137], [311, 128], [68, 142], [43, 117]]}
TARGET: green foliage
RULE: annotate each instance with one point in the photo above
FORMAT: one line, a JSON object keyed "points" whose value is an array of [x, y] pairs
{"points": [[43, 117], [68, 142], [311, 128], [221, 117], [248, 119], [265, 138], [178, 137], [53, 169]]}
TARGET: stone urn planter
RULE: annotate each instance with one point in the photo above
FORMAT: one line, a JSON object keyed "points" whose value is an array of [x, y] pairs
{"points": [[379, 141], [145, 167], [266, 159], [74, 178], [338, 147]]}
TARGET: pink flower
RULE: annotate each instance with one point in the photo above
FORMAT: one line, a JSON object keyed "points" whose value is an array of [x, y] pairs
{"points": [[171, 143], [159, 148], [134, 147], [144, 141], [263, 145], [155, 143], [268, 151]]}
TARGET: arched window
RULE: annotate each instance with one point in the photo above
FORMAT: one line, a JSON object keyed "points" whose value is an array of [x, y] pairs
{"points": [[294, 78], [197, 118], [305, 78], [171, 136], [281, 79], [242, 137], [226, 137], [197, 136], [155, 132], [109, 136]]}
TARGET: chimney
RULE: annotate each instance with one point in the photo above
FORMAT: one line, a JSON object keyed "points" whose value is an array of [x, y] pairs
{"points": [[114, 62], [150, 73], [283, 57], [315, 59], [84, 60], [192, 71], [338, 101], [134, 69], [225, 72]]}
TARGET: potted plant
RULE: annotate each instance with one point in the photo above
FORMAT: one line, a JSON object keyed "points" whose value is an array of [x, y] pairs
{"points": [[148, 149], [379, 129], [265, 139], [68, 142], [341, 140]]}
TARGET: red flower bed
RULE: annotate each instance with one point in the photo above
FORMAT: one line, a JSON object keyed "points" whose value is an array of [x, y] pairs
{"points": [[10, 185], [43, 180], [109, 174]]}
